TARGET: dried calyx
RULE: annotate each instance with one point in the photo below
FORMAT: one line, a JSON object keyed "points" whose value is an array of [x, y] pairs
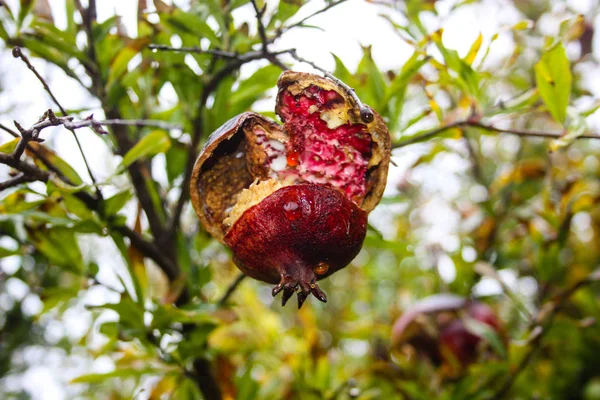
{"points": [[291, 200]]}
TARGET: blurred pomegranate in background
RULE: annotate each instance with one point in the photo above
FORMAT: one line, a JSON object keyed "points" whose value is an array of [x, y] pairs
{"points": [[450, 331]]}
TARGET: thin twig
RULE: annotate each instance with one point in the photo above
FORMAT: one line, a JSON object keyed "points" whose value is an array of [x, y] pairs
{"points": [[261, 26], [17, 180], [40, 156], [17, 53], [231, 289], [263, 36], [365, 112], [9, 131], [50, 119], [30, 170], [124, 122], [475, 124], [196, 50], [476, 165]]}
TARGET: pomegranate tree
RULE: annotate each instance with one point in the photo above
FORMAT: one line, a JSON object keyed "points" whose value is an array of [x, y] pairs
{"points": [[291, 201]]}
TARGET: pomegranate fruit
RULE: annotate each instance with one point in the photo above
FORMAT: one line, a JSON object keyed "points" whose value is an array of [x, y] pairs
{"points": [[441, 328], [291, 201]]}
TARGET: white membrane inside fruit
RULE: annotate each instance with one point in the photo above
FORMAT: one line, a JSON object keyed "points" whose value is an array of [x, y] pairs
{"points": [[247, 198], [274, 150], [325, 146]]}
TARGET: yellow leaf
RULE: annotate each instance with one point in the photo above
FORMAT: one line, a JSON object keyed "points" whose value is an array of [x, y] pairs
{"points": [[474, 50], [136, 260], [522, 25]]}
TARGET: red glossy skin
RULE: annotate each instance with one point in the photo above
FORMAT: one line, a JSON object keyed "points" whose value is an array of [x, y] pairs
{"points": [[284, 237], [483, 313], [458, 343], [456, 340]]}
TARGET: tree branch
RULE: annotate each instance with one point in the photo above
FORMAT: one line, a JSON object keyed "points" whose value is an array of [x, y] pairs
{"points": [[195, 50], [50, 119], [476, 124], [17, 53], [231, 289], [149, 250], [261, 26], [15, 181]]}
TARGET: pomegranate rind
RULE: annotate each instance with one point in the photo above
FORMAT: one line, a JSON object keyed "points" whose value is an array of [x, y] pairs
{"points": [[293, 230], [222, 171]]}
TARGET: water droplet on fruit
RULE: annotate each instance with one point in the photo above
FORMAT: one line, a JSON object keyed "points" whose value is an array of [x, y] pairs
{"points": [[321, 268], [292, 210], [292, 158]]}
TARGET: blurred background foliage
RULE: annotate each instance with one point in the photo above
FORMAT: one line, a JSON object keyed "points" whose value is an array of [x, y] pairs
{"points": [[476, 206]]}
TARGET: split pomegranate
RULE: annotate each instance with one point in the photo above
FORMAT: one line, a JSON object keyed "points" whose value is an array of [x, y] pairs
{"points": [[447, 330], [291, 201]]}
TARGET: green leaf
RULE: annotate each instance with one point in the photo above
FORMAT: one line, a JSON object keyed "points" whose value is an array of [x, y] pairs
{"points": [[523, 25], [247, 387], [119, 373], [521, 102], [343, 73], [119, 65], [553, 78], [6, 252], [408, 71], [470, 57], [153, 143], [176, 160], [253, 88], [59, 245], [114, 204], [48, 53], [24, 10], [50, 35], [3, 32], [285, 10], [373, 85], [577, 127], [70, 14], [55, 160], [192, 24], [488, 333], [9, 147], [467, 79], [77, 207], [102, 29], [131, 314]]}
